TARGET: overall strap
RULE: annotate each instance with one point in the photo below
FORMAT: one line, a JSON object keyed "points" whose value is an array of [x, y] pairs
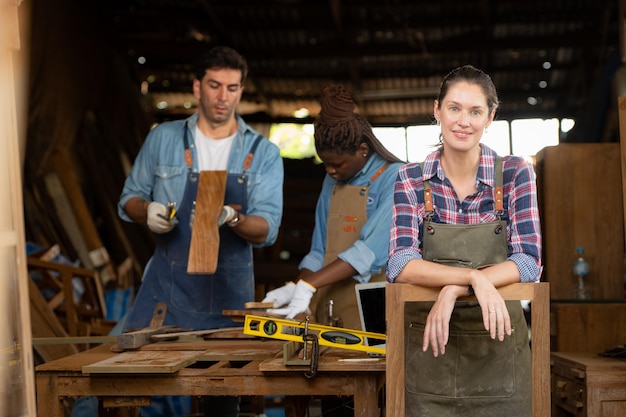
{"points": [[247, 163], [188, 157]]}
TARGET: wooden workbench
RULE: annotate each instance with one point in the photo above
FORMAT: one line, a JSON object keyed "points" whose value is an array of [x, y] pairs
{"points": [[585, 384], [218, 367]]}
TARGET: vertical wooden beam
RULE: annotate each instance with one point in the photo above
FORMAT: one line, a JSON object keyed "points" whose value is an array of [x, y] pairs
{"points": [[621, 106], [17, 366], [570, 196]]}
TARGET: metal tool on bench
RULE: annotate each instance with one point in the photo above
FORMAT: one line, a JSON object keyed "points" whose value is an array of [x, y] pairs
{"points": [[138, 338], [310, 338], [156, 332]]}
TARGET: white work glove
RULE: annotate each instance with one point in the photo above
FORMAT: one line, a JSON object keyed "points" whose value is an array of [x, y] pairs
{"points": [[280, 296], [299, 302], [156, 223], [228, 213]]}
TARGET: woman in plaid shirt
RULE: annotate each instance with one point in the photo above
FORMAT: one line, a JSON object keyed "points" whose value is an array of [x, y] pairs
{"points": [[466, 357]]}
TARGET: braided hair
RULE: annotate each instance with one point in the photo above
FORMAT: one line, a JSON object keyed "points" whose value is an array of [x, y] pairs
{"points": [[339, 129]]}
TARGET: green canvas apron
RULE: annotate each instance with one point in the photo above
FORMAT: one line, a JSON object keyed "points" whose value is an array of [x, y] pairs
{"points": [[477, 376], [347, 214]]}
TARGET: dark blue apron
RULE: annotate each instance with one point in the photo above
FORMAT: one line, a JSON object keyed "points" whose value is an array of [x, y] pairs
{"points": [[196, 301]]}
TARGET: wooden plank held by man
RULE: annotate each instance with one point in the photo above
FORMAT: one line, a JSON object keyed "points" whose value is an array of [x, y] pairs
{"points": [[205, 237]]}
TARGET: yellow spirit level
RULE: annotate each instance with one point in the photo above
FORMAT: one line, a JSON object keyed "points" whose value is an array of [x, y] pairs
{"points": [[293, 330]]}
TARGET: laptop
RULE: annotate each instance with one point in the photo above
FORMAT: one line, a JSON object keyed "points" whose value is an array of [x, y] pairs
{"points": [[370, 299]]}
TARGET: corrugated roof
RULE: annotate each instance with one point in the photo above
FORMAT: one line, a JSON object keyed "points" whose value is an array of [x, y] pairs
{"points": [[390, 54]]}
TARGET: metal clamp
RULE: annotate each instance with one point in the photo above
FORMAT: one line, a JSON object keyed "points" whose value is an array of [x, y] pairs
{"points": [[312, 338]]}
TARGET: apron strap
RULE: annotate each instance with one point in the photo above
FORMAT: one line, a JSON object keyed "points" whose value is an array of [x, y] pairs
{"points": [[373, 178], [428, 196], [378, 172], [497, 194]]}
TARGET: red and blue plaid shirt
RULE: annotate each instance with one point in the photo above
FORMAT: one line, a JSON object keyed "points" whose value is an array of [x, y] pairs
{"points": [[520, 210]]}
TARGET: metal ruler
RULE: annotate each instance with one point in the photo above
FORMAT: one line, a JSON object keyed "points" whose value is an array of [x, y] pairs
{"points": [[292, 330]]}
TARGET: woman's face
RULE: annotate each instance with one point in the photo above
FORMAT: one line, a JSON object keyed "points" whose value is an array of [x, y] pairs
{"points": [[464, 116], [344, 166]]}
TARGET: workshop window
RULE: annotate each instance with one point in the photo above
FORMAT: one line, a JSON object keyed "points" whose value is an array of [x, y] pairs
{"points": [[523, 137]]}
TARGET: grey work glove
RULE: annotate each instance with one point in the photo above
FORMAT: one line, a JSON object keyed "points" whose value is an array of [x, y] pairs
{"points": [[156, 218], [280, 296], [228, 213], [299, 302]]}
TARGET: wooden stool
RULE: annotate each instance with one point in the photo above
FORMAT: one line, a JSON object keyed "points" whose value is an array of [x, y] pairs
{"points": [[538, 294]]}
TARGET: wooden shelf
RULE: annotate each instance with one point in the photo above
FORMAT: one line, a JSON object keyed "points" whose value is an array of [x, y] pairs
{"points": [[587, 326], [581, 204]]}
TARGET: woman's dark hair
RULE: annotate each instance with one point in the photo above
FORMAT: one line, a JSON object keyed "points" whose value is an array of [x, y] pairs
{"points": [[221, 57], [339, 129], [472, 75]]}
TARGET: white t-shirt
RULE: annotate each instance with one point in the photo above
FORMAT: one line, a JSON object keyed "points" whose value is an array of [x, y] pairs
{"points": [[213, 153]]}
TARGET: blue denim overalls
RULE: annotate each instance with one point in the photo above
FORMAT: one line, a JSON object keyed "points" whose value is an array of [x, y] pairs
{"points": [[196, 301]]}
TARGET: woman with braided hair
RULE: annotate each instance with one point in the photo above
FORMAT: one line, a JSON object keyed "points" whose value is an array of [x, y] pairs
{"points": [[352, 217]]}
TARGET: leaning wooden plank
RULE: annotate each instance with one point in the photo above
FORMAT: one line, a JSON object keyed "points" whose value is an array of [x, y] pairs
{"points": [[145, 362], [96, 251], [205, 237], [66, 217], [44, 323]]}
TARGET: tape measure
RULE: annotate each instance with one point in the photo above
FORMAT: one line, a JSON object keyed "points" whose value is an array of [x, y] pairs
{"points": [[292, 330]]}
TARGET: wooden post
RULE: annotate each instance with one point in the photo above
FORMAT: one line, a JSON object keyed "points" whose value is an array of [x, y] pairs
{"points": [[621, 105], [17, 384]]}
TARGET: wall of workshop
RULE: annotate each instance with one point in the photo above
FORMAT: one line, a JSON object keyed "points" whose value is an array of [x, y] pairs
{"points": [[86, 121]]}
